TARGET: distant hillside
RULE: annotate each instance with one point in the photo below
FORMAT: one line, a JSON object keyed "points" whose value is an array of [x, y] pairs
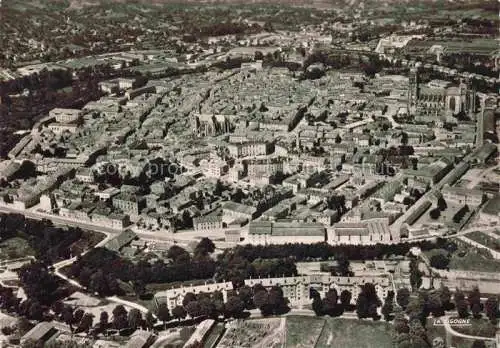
{"points": [[491, 5]]}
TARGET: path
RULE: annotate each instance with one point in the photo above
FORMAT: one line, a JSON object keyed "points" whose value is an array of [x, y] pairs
{"points": [[59, 265]]}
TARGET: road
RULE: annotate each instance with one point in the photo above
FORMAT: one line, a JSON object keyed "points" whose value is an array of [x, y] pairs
{"points": [[452, 331], [255, 313], [58, 220], [182, 237], [61, 264]]}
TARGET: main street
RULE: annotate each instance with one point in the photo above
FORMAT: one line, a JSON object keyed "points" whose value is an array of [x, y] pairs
{"points": [[181, 237]]}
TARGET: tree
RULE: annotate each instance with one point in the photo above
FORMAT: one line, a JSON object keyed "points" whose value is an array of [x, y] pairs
{"points": [[418, 335], [388, 306], [478, 344], [177, 254], [343, 266], [85, 323], [178, 312], [67, 316], [189, 297], [435, 213], [234, 307], [403, 297], [445, 297], [139, 288], [460, 214], [402, 340], [461, 304], [439, 261], [207, 307], [330, 302], [35, 311], [400, 323], [38, 283], [193, 308], [150, 321], [277, 302], [441, 203], [78, 315], [362, 306], [120, 320], [416, 308], [475, 305], [345, 298], [245, 294], [318, 306], [491, 308], [103, 319], [260, 297], [261, 301], [23, 325], [415, 275], [404, 138], [99, 284], [367, 302], [205, 246], [434, 304], [134, 318], [57, 307], [163, 313]]}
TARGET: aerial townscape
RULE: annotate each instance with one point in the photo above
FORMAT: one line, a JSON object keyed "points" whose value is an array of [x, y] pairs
{"points": [[265, 174]]}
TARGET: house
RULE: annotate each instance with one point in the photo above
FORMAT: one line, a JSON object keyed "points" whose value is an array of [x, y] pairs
{"points": [[84, 174], [208, 222], [118, 242], [232, 236], [44, 333], [282, 232], [174, 297], [463, 196], [238, 210], [141, 339], [129, 203], [366, 232]]}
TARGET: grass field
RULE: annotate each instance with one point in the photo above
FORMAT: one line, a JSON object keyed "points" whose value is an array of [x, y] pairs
{"points": [[14, 248], [469, 259], [479, 327], [340, 333], [303, 332], [484, 239], [434, 331]]}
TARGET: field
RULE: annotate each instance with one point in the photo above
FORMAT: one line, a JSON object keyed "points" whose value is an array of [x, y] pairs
{"points": [[14, 248], [303, 332], [484, 239], [254, 333], [471, 259], [434, 331], [340, 333], [479, 327]]}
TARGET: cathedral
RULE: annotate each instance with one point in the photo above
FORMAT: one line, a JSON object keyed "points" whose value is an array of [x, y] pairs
{"points": [[439, 98], [204, 125]]}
